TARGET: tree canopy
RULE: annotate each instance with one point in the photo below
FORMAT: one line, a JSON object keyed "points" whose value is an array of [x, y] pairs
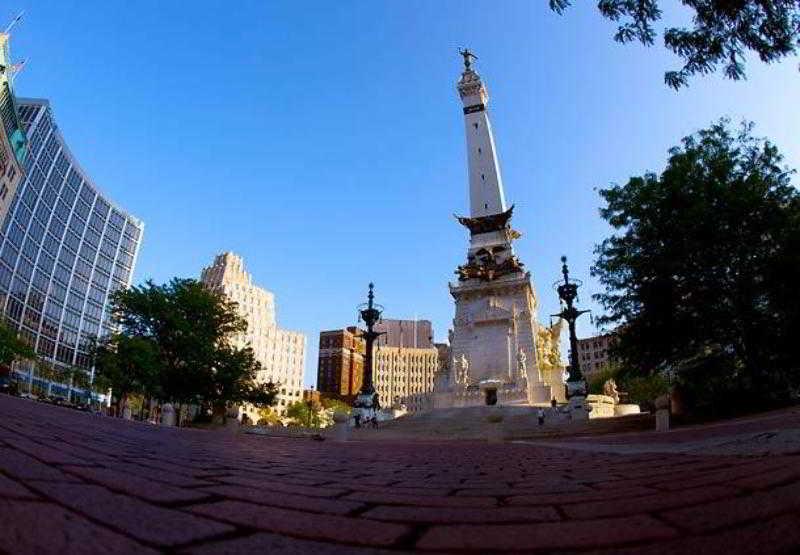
{"points": [[178, 342], [722, 33], [701, 270], [127, 364], [306, 414], [12, 347]]}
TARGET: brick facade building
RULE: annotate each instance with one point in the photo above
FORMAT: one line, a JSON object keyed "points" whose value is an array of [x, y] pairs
{"points": [[340, 368]]}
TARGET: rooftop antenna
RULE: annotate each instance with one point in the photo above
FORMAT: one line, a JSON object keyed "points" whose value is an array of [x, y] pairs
{"points": [[14, 22]]}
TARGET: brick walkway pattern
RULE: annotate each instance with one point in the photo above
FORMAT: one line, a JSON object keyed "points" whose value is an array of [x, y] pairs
{"points": [[76, 483]]}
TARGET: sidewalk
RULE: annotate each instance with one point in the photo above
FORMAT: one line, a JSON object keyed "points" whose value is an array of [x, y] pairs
{"points": [[75, 483]]}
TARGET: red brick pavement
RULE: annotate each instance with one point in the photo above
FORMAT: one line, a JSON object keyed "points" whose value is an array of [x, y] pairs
{"points": [[76, 483]]}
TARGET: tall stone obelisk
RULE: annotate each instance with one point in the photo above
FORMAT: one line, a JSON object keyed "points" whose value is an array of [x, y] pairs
{"points": [[494, 328]]}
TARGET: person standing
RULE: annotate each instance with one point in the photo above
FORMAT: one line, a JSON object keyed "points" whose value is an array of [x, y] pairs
{"points": [[540, 416]]}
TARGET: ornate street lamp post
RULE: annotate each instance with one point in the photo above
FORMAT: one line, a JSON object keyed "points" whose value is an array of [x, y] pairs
{"points": [[568, 292], [367, 401]]}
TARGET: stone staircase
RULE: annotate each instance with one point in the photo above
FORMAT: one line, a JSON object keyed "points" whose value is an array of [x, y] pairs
{"points": [[518, 422]]}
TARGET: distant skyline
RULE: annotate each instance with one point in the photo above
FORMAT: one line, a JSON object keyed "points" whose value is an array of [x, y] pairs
{"points": [[304, 135]]}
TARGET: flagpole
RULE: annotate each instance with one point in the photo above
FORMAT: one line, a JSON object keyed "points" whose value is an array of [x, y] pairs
{"points": [[14, 22]]}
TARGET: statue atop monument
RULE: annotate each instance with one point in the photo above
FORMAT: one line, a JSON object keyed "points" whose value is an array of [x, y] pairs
{"points": [[468, 57]]}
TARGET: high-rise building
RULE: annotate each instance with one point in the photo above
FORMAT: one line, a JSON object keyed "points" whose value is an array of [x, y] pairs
{"points": [[13, 144], [340, 368], [405, 333], [64, 248], [282, 353]]}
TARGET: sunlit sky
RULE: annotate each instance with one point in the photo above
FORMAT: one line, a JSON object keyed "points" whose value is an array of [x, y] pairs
{"points": [[323, 141]]}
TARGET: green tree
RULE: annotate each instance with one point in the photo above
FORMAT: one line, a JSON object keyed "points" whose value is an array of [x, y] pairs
{"points": [[233, 381], [700, 273], [81, 380], [335, 405], [12, 348], [193, 333], [268, 417], [126, 365], [722, 32], [188, 323], [303, 413]]}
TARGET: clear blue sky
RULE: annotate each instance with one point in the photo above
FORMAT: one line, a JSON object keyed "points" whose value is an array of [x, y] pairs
{"points": [[323, 140]]}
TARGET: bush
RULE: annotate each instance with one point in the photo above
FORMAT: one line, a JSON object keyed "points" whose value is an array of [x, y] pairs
{"points": [[597, 380], [717, 386], [643, 390], [268, 417], [336, 406]]}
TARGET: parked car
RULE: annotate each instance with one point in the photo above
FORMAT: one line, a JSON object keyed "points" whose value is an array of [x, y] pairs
{"points": [[8, 386]]}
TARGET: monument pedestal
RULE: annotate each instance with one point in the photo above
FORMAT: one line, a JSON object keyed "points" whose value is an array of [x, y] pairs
{"points": [[540, 394], [578, 409], [626, 409]]}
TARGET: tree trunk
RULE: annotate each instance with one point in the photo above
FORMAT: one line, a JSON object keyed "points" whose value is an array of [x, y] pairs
{"points": [[141, 408]]}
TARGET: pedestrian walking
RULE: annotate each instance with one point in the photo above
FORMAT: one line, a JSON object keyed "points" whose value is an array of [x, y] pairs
{"points": [[540, 416]]}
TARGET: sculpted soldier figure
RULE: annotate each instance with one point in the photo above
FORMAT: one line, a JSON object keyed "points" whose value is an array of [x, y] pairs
{"points": [[522, 365], [464, 374]]}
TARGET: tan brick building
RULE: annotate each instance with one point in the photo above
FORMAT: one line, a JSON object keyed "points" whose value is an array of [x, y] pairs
{"points": [[281, 352], [593, 352], [404, 376]]}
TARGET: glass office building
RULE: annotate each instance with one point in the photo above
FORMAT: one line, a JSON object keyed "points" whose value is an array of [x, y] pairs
{"points": [[64, 248]]}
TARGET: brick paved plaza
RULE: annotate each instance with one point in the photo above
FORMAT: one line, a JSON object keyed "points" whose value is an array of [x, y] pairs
{"points": [[76, 483]]}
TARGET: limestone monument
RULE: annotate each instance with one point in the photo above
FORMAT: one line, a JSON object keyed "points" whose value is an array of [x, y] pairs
{"points": [[495, 328]]}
